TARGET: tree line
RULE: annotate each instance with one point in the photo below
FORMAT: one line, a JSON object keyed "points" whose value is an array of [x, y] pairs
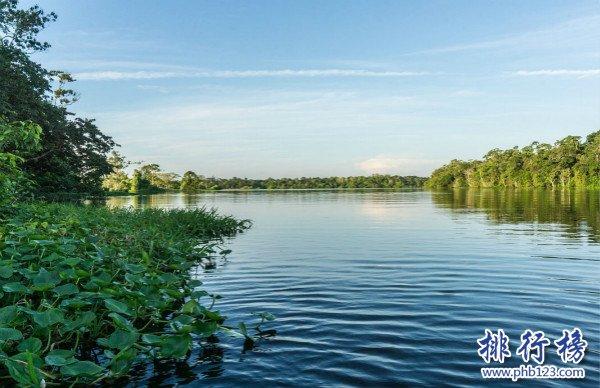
{"points": [[149, 178], [72, 155], [569, 162], [193, 182]]}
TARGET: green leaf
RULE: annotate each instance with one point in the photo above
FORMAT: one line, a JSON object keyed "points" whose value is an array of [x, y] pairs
{"points": [[6, 271], [122, 361], [206, 328], [75, 303], [48, 318], [132, 278], [151, 339], [10, 334], [175, 346], [119, 339], [24, 368], [194, 283], [135, 268], [16, 287], [264, 315], [198, 294], [52, 257], [82, 369], [43, 243], [117, 307], [183, 319], [60, 357], [8, 314], [121, 322], [243, 329], [169, 278], [30, 344], [84, 319], [191, 307], [66, 289], [45, 280]]}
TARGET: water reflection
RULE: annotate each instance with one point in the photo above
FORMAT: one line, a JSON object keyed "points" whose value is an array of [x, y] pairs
{"points": [[146, 201], [578, 211]]}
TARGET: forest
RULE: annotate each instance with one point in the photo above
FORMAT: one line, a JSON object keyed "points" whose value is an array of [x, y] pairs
{"points": [[569, 162], [149, 178], [192, 182]]}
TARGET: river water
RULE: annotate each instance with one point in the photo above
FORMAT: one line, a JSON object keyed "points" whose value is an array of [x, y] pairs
{"points": [[394, 288]]}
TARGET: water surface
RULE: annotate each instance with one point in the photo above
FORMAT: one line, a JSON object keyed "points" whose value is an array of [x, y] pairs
{"points": [[394, 288]]}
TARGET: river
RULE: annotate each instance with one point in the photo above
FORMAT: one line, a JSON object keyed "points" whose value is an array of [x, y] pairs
{"points": [[377, 288]]}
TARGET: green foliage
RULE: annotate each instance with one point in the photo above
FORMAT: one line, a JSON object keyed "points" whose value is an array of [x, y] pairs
{"points": [[136, 182], [117, 180], [72, 155], [150, 179], [191, 182], [569, 163], [17, 141], [85, 292], [155, 178], [147, 179]]}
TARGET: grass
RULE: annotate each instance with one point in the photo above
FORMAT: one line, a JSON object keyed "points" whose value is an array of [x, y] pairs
{"points": [[87, 291]]}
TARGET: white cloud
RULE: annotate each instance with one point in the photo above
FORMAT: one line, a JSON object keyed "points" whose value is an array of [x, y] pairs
{"points": [[122, 75], [559, 72], [570, 33], [383, 164], [136, 75]]}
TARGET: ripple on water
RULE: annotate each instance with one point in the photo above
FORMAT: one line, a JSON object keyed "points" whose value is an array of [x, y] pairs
{"points": [[393, 288]]}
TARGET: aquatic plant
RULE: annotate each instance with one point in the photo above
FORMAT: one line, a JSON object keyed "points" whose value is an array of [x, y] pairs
{"points": [[88, 291]]}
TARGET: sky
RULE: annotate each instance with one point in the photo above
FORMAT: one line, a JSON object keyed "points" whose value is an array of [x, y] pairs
{"points": [[322, 88]]}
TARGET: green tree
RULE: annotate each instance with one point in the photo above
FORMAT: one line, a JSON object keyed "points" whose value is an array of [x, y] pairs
{"points": [[136, 182], [569, 162], [189, 182], [18, 140], [158, 179], [72, 156], [117, 180], [587, 169]]}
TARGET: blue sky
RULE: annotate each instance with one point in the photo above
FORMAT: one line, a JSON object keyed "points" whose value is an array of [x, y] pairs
{"points": [[321, 88]]}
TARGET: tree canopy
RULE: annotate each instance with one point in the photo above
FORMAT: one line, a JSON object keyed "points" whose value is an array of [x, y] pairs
{"points": [[194, 182], [149, 178], [72, 155], [570, 162]]}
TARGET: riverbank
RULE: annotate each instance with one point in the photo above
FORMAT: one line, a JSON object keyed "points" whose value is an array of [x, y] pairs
{"points": [[87, 291]]}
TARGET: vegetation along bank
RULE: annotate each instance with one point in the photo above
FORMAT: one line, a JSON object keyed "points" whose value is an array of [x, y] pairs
{"points": [[570, 162], [86, 292]]}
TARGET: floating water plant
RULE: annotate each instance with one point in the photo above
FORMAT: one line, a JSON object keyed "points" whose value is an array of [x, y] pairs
{"points": [[88, 291]]}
